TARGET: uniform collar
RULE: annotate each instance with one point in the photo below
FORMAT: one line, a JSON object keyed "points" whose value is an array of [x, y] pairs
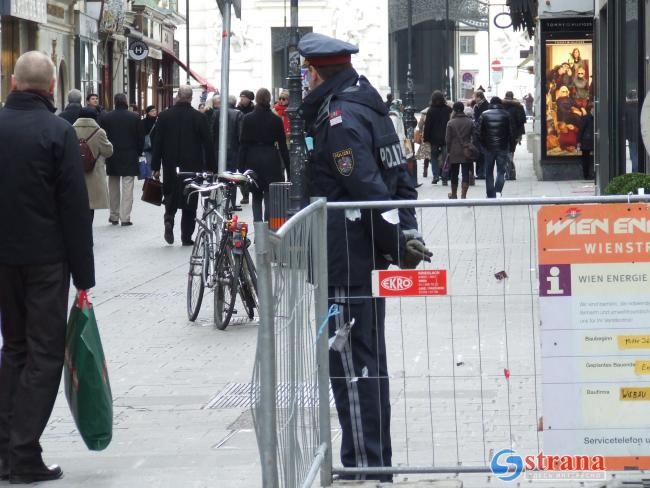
{"points": [[315, 99]]}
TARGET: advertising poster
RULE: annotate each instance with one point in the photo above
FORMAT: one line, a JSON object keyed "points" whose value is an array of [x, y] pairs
{"points": [[567, 85], [594, 287]]}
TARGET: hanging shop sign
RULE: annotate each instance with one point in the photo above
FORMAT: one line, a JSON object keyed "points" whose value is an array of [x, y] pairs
{"points": [[112, 17], [138, 50]]}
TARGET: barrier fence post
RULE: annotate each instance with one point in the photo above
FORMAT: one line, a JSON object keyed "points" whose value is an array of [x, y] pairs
{"points": [[322, 347], [266, 348]]}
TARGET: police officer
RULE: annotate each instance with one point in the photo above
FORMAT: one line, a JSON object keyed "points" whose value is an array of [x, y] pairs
{"points": [[357, 156]]}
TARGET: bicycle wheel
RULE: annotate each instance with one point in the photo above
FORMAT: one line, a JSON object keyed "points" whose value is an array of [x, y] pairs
{"points": [[195, 280], [247, 289], [225, 289]]}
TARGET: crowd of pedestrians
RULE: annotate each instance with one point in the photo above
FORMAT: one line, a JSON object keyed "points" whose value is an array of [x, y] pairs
{"points": [[470, 140]]}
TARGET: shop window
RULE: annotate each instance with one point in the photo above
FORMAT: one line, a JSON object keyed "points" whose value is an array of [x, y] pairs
{"points": [[467, 45]]}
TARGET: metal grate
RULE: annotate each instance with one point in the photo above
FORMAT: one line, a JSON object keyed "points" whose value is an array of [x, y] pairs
{"points": [[241, 395]]}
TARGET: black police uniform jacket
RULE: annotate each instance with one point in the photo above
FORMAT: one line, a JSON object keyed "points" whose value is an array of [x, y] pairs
{"points": [[357, 156]]}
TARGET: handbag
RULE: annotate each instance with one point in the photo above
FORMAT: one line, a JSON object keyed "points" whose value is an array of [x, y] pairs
{"points": [[152, 191], [144, 169], [470, 152], [87, 388], [147, 138]]}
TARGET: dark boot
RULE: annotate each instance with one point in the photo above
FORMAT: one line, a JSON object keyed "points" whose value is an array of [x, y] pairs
{"points": [[425, 172], [169, 229], [454, 191], [463, 189]]}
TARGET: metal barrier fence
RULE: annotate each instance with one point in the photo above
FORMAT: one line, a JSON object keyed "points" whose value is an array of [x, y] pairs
{"points": [[464, 368]]}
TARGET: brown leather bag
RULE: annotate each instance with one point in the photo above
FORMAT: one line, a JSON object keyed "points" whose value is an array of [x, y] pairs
{"points": [[152, 191]]}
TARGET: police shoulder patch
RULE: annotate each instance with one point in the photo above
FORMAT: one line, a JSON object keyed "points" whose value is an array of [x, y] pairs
{"points": [[344, 161]]}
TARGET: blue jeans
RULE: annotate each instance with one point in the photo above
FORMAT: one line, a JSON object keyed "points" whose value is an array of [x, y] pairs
{"points": [[438, 155], [500, 157]]}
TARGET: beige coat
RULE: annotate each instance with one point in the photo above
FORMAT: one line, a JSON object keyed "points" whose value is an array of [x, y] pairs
{"points": [[101, 149]]}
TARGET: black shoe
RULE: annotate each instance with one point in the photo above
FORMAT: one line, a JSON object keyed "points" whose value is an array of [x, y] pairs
{"points": [[236, 208], [434, 180], [126, 224], [169, 233], [114, 222], [4, 469], [35, 474], [243, 201], [187, 242], [444, 183]]}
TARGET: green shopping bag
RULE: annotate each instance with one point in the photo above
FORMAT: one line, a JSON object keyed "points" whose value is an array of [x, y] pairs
{"points": [[86, 377]]}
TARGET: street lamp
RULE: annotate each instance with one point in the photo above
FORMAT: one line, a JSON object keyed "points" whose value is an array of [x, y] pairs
{"points": [[297, 152], [409, 110]]}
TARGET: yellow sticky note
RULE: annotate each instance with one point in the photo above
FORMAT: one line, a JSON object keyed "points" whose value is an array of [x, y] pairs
{"points": [[634, 342], [635, 394], [642, 367]]}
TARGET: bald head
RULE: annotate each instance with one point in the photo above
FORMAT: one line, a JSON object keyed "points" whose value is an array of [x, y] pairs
{"points": [[34, 71], [185, 93]]}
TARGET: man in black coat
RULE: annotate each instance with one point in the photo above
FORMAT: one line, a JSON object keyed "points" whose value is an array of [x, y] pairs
{"points": [[46, 236], [518, 120], [235, 118], [71, 112], [125, 131], [182, 140], [495, 134]]}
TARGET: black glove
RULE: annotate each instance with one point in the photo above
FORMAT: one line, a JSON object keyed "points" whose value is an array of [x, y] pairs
{"points": [[415, 253]]}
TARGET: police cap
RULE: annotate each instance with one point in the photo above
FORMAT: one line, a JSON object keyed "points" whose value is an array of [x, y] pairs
{"points": [[321, 50]]}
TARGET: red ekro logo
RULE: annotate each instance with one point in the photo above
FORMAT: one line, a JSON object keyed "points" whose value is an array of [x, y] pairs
{"points": [[397, 283]]}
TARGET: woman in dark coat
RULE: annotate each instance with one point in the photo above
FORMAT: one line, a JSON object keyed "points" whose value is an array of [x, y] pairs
{"points": [[586, 142], [263, 148], [459, 132], [435, 128]]}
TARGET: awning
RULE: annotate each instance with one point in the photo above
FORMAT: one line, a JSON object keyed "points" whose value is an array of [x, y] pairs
{"points": [[202, 81]]}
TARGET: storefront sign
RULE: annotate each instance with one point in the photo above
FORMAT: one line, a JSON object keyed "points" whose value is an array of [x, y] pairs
{"points": [[34, 10], [594, 287], [138, 50], [55, 11], [167, 39], [112, 16]]}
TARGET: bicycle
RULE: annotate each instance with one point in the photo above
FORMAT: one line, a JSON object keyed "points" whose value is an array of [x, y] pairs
{"points": [[220, 258]]}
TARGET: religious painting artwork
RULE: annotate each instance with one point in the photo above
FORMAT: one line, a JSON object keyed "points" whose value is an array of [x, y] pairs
{"points": [[568, 92]]}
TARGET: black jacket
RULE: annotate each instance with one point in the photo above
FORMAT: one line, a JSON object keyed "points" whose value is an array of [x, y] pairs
{"points": [[263, 146], [71, 112], [479, 108], [357, 156], [235, 118], [246, 110], [43, 197], [586, 133], [182, 139], [435, 125], [494, 129], [517, 115], [149, 127], [124, 130]]}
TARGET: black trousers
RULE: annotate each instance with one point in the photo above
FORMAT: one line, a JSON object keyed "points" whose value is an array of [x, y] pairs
{"points": [[260, 197], [464, 168], [359, 378], [587, 164], [188, 213], [33, 311]]}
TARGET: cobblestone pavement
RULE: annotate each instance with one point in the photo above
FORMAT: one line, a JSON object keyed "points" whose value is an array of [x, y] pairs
{"points": [[171, 378]]}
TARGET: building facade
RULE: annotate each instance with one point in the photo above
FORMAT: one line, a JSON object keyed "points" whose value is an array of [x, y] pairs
{"points": [[259, 39]]}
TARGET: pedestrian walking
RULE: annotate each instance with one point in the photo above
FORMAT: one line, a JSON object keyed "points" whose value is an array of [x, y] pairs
{"points": [[458, 137], [280, 109], [263, 148], [148, 129], [71, 112], [183, 140], [92, 100], [87, 129], [246, 99], [435, 128], [395, 114], [46, 237], [357, 156], [480, 106], [245, 106], [124, 130], [585, 141], [424, 151], [518, 119], [529, 101], [494, 133], [235, 118]]}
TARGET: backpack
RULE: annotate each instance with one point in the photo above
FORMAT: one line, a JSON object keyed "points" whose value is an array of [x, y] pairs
{"points": [[88, 159]]}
